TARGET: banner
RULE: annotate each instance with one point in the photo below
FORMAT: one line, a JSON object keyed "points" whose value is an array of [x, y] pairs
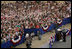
{"points": [[16, 40], [45, 28], [59, 21]]}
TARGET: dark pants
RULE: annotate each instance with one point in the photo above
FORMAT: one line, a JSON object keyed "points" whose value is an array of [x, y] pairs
{"points": [[28, 45], [64, 37], [57, 37]]}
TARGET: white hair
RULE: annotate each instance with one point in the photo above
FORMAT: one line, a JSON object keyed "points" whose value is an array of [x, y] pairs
{"points": [[27, 35], [58, 29]]}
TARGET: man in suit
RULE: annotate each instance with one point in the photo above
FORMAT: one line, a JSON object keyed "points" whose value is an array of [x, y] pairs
{"points": [[58, 34]]}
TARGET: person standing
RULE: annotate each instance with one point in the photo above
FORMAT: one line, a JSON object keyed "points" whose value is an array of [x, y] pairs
{"points": [[39, 35], [28, 41], [58, 34]]}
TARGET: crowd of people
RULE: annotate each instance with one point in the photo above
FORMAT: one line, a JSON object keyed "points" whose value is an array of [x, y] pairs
{"points": [[30, 14]]}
